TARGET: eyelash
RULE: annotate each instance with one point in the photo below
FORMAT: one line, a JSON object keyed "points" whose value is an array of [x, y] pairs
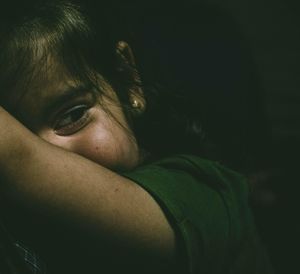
{"points": [[72, 120]]}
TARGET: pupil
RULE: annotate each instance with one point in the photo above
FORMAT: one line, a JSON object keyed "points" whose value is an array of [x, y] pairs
{"points": [[77, 114]]}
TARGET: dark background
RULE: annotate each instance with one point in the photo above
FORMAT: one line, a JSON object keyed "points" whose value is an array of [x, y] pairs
{"points": [[240, 59], [272, 31]]}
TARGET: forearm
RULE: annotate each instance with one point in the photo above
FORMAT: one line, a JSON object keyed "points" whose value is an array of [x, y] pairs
{"points": [[38, 169], [53, 178], [67, 184]]}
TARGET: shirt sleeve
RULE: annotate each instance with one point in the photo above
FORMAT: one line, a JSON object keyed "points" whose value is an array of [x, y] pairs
{"points": [[207, 206]]}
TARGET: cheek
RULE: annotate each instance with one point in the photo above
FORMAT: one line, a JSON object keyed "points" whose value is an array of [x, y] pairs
{"points": [[108, 145], [97, 145], [111, 147]]}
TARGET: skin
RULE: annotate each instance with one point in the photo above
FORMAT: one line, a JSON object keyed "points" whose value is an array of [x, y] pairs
{"points": [[66, 167], [86, 123], [82, 125]]}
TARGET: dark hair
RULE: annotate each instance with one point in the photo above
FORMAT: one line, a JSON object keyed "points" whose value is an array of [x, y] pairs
{"points": [[86, 46]]}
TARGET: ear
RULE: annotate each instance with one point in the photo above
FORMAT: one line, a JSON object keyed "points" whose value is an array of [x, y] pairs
{"points": [[125, 54], [127, 62]]}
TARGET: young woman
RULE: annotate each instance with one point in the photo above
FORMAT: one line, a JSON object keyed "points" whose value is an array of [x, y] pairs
{"points": [[91, 174]]}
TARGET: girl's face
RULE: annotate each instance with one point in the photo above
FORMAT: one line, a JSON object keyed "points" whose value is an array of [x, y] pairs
{"points": [[70, 116]]}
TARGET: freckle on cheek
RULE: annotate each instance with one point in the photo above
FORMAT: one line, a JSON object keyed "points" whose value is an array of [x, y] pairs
{"points": [[97, 148], [116, 190]]}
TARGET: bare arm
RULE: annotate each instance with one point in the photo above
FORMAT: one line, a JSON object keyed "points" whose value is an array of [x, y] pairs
{"points": [[71, 185]]}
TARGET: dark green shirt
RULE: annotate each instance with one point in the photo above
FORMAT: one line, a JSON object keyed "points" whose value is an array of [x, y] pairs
{"points": [[207, 205]]}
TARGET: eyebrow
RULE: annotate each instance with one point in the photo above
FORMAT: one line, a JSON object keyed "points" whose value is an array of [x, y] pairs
{"points": [[65, 96]]}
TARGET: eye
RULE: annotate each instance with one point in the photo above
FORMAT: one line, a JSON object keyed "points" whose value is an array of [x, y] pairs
{"points": [[72, 120]]}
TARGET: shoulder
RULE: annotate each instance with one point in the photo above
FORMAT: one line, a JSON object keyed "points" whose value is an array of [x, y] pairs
{"points": [[191, 175], [206, 203]]}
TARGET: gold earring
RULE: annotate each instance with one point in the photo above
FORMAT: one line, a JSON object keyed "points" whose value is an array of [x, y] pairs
{"points": [[136, 104]]}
